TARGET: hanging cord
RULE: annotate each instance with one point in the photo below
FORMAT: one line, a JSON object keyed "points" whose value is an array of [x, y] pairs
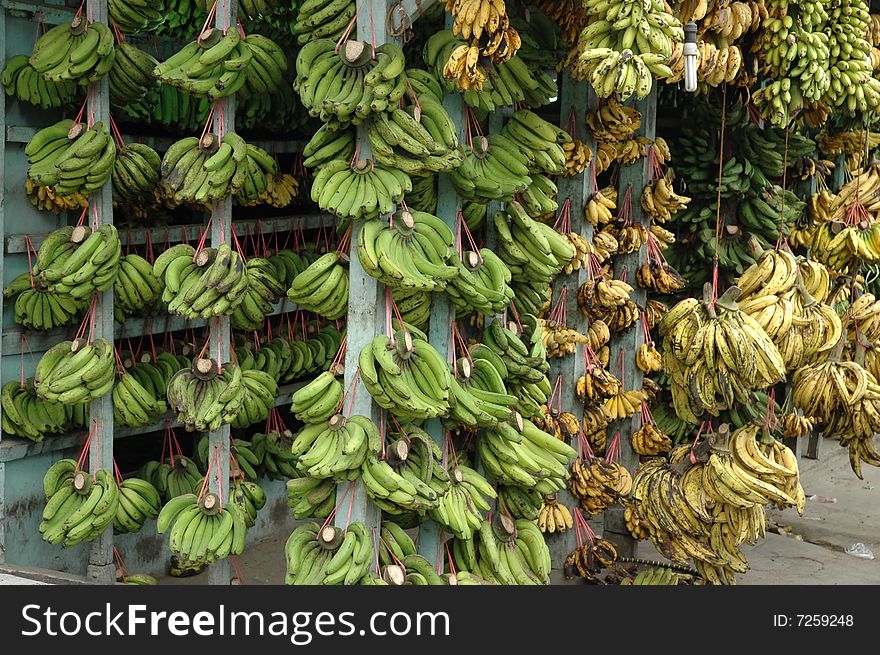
{"points": [[781, 238], [718, 198]]}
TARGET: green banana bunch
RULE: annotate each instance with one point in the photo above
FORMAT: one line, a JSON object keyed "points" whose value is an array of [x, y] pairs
{"points": [[133, 16], [423, 196], [409, 378], [460, 509], [394, 544], [344, 85], [259, 393], [169, 107], [411, 570], [318, 19], [362, 190], [514, 360], [204, 400], [218, 65], [765, 148], [474, 213], [336, 448], [624, 45], [495, 168], [136, 288], [414, 306], [140, 579], [425, 85], [139, 501], [504, 551], [319, 399], [21, 80], [74, 372], [520, 454], [476, 406], [410, 477], [37, 307], [154, 377], [264, 289], [288, 264], [81, 505], [418, 140], [521, 503], [328, 555], [135, 172], [78, 51], [654, 576], [328, 144], [131, 75], [27, 415], [533, 251], [482, 285], [212, 282], [210, 168], [245, 458], [322, 287], [277, 112], [203, 529], [853, 86], [172, 478], [135, 405], [71, 158], [311, 497], [539, 141], [539, 199], [77, 262], [415, 252], [279, 463], [250, 498]]}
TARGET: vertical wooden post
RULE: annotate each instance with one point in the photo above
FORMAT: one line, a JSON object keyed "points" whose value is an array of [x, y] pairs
{"points": [[576, 95], [631, 177], [442, 311], [101, 568], [226, 17], [3, 232], [366, 305]]}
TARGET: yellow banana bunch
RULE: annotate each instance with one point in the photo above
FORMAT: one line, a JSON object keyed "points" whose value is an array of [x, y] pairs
{"points": [[794, 425], [583, 249], [636, 527], [599, 335], [44, 198], [844, 399], [609, 301], [715, 66], [604, 246], [614, 121], [649, 440], [864, 319], [631, 150], [588, 559], [485, 22], [598, 483], [596, 386], [660, 278], [577, 157], [648, 359], [558, 339], [624, 404], [600, 206], [660, 201], [714, 355], [629, 237], [854, 143], [281, 190], [463, 68], [553, 516]]}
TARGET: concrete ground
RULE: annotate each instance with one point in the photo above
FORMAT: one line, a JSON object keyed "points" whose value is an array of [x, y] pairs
{"points": [[810, 549], [805, 550]]}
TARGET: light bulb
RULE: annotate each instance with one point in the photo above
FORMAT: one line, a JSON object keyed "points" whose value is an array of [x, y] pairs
{"points": [[690, 57]]}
